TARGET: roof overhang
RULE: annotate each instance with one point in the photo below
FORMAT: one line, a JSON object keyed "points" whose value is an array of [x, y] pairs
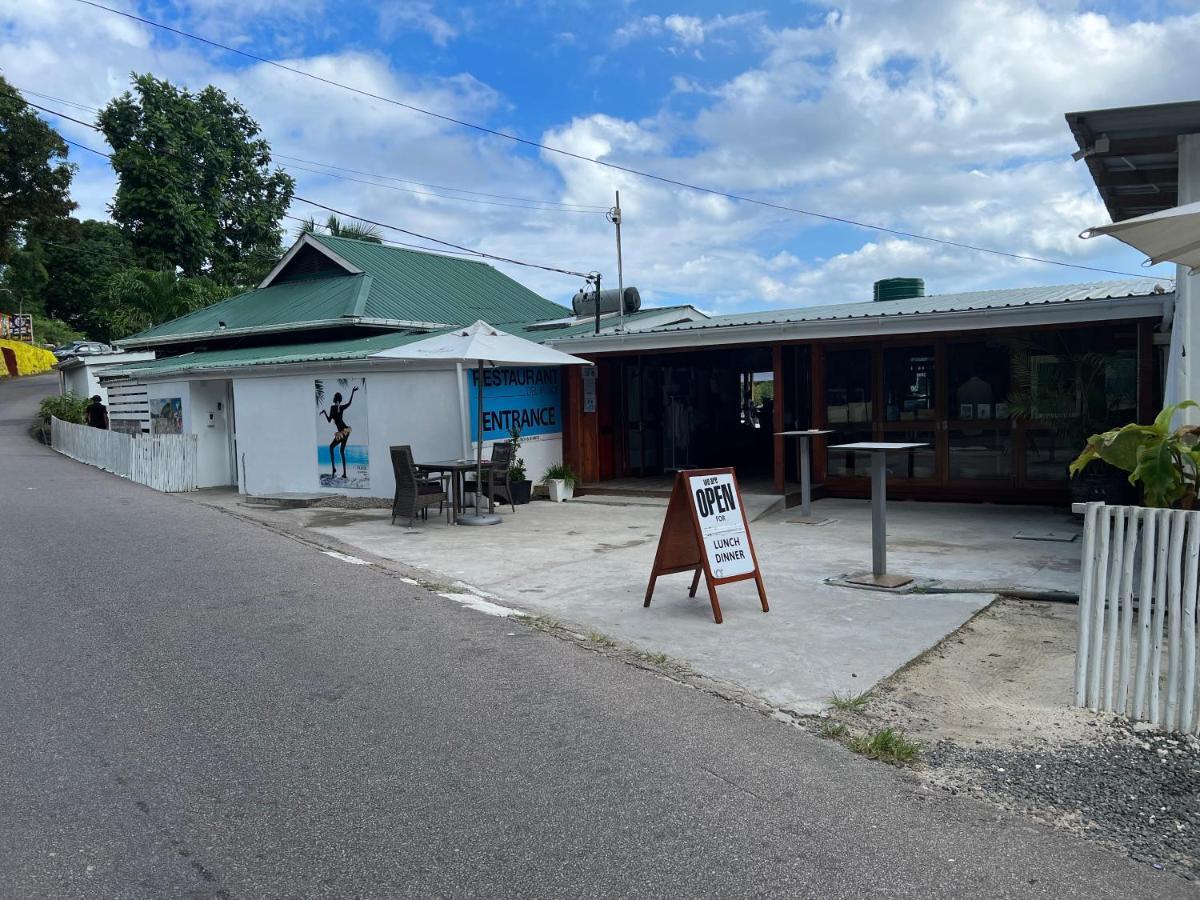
{"points": [[1150, 306], [307, 240], [1132, 153]]}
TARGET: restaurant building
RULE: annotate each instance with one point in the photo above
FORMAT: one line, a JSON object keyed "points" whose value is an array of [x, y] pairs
{"points": [[1003, 387]]}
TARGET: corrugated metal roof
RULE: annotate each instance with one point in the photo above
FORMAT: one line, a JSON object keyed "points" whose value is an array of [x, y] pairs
{"points": [[401, 287], [941, 303], [608, 322], [304, 301], [238, 357], [425, 287]]}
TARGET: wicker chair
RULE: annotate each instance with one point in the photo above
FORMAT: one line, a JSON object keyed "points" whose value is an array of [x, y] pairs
{"points": [[414, 494], [498, 478], [495, 472]]}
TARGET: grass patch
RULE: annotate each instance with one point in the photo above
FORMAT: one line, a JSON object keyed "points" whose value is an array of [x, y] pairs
{"points": [[601, 640], [886, 744], [834, 729], [848, 702]]}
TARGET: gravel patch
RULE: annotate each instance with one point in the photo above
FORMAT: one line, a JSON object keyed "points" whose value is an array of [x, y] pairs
{"points": [[1138, 791]]}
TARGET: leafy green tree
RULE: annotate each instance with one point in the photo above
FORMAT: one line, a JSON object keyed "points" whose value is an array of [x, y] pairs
{"points": [[195, 187], [137, 299], [81, 259], [359, 231], [25, 276], [35, 177]]}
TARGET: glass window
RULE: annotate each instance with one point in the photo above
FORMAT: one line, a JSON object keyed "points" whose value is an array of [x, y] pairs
{"points": [[1047, 455], [908, 380], [919, 463], [848, 387], [980, 380], [844, 463], [983, 454]]}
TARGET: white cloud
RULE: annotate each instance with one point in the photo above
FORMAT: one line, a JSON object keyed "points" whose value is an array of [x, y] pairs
{"points": [[407, 15], [941, 118]]}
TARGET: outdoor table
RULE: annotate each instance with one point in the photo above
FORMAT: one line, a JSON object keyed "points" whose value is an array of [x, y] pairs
{"points": [[804, 464], [458, 469], [878, 576]]}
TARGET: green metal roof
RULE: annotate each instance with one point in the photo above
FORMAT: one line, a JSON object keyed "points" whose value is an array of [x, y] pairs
{"points": [[240, 357], [284, 306], [414, 286], [396, 287]]}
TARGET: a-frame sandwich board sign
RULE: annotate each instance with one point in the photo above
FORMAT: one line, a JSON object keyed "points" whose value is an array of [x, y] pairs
{"points": [[705, 532]]}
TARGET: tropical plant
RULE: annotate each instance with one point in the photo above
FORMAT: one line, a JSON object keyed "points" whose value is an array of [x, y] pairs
{"points": [[1165, 462], [561, 472], [141, 298], [1070, 393], [359, 231], [516, 469], [64, 407]]}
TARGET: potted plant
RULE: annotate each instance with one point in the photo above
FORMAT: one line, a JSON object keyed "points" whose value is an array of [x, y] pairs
{"points": [[560, 480], [1165, 462], [518, 483]]}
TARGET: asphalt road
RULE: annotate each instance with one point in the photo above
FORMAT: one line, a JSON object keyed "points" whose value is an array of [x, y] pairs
{"points": [[195, 706]]}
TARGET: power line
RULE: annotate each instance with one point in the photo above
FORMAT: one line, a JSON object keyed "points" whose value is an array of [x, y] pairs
{"points": [[392, 187], [425, 237], [521, 202], [442, 187], [896, 232], [416, 234]]}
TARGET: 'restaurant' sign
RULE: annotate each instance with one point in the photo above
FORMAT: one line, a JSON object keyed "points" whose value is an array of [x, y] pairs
{"points": [[705, 532]]}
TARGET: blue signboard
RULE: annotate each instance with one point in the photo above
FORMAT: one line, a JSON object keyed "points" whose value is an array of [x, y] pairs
{"points": [[528, 398]]}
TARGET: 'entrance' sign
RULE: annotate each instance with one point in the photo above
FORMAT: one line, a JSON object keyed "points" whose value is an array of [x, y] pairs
{"points": [[705, 532]]}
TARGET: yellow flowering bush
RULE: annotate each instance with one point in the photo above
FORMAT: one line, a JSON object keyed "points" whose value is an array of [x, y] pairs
{"points": [[30, 360]]}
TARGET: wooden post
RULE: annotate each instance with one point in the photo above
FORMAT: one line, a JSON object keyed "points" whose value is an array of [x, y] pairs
{"points": [[780, 467]]}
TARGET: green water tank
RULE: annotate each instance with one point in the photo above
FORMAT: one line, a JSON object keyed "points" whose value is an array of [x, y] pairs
{"points": [[899, 288]]}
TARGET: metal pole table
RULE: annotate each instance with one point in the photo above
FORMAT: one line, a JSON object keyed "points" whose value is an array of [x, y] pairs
{"points": [[804, 464], [878, 576]]}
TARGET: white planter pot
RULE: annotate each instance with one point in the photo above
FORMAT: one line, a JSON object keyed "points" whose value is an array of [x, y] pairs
{"points": [[560, 490]]}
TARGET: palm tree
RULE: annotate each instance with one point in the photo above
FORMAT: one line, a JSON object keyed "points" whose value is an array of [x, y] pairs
{"points": [[141, 298], [358, 231]]}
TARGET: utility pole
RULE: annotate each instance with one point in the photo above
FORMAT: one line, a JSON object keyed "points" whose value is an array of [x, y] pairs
{"points": [[614, 216]]}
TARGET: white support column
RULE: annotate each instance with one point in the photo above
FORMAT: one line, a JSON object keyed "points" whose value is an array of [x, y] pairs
{"points": [[1183, 367]]}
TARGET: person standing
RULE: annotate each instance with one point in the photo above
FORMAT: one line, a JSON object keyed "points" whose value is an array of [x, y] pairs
{"points": [[96, 414]]}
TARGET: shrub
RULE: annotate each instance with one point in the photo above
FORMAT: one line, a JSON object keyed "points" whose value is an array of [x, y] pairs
{"points": [[65, 408]]}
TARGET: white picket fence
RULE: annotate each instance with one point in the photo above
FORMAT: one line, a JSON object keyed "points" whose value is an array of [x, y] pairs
{"points": [[1142, 564], [165, 462]]}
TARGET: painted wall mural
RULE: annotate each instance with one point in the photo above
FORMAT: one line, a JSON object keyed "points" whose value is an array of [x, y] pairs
{"points": [[166, 415], [343, 460]]}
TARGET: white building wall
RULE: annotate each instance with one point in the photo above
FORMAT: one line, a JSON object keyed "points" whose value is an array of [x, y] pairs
{"points": [[81, 377], [277, 427]]}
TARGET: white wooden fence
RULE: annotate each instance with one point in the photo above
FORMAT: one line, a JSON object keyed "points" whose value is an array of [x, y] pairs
{"points": [[1137, 615], [165, 462]]}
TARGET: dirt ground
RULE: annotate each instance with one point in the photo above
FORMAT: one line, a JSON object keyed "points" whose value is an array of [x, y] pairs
{"points": [[991, 708], [1004, 679]]}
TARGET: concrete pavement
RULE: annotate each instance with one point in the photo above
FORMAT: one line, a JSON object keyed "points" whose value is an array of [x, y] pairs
{"points": [[195, 706], [586, 564]]}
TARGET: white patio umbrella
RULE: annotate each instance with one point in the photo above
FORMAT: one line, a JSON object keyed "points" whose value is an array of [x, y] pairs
{"points": [[483, 345], [1169, 235]]}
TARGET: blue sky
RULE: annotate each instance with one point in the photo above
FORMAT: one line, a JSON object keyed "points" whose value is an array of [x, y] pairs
{"points": [[939, 117]]}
